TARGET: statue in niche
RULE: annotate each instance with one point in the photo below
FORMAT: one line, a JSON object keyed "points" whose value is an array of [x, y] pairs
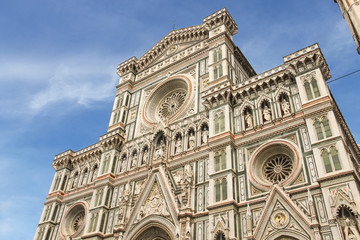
{"points": [[84, 177], [191, 140], [350, 230], [205, 135], [249, 120], [76, 178], [134, 160], [94, 174], [285, 105], [178, 145], [159, 153], [267, 113], [145, 156]]}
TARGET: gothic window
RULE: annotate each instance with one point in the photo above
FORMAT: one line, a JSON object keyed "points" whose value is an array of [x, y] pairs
{"points": [[331, 160], [115, 162], [116, 117], [284, 102], [57, 182], [40, 234], [219, 122], [93, 222], [248, 118], [220, 160], [220, 189], [218, 71], [47, 237], [108, 196], [47, 213], [98, 197], [102, 223], [105, 166], [311, 87], [191, 139], [54, 213], [220, 236], [217, 54], [322, 128], [63, 183]]}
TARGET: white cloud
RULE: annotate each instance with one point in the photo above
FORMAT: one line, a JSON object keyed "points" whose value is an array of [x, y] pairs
{"points": [[75, 85]]}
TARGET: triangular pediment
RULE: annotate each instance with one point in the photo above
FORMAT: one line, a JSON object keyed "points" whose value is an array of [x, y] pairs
{"points": [[281, 216], [156, 201]]}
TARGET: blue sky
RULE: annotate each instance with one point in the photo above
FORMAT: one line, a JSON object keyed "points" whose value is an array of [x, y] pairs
{"points": [[57, 74]]}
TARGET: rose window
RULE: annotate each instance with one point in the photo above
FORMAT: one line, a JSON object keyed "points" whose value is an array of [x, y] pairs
{"points": [[77, 222], [278, 168], [171, 104]]}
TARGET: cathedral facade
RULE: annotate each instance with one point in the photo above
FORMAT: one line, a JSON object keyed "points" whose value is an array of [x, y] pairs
{"points": [[200, 146]]}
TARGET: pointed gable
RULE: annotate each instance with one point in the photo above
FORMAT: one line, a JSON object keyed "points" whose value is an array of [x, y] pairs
{"points": [[282, 217]]}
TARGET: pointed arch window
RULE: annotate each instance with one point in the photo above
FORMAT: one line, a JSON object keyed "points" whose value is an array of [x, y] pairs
{"points": [[220, 160], [219, 122], [217, 54], [331, 160], [105, 165], [311, 87], [220, 190], [322, 128], [218, 71]]}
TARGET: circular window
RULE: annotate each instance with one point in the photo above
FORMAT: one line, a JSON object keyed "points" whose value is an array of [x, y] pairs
{"points": [[278, 168], [274, 162], [74, 220], [168, 101], [77, 222], [170, 104]]}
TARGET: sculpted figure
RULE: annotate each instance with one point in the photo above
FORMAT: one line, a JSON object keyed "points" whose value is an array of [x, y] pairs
{"points": [[134, 160], [205, 135], [249, 120], [191, 140], [178, 146], [267, 113], [145, 157], [159, 154], [285, 107]]}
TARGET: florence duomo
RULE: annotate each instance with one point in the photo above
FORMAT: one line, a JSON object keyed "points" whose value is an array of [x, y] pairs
{"points": [[201, 146]]}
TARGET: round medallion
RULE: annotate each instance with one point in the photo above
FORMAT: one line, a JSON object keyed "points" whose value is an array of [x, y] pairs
{"points": [[278, 168], [78, 221], [73, 221], [280, 219]]}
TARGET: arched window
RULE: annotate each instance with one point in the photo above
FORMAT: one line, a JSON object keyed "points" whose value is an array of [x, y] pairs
{"points": [[219, 122], [220, 189], [54, 213], [218, 71], [220, 160], [63, 183], [105, 166], [217, 191], [217, 54], [115, 162], [220, 236], [322, 128], [57, 182], [331, 161], [222, 122], [311, 87]]}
